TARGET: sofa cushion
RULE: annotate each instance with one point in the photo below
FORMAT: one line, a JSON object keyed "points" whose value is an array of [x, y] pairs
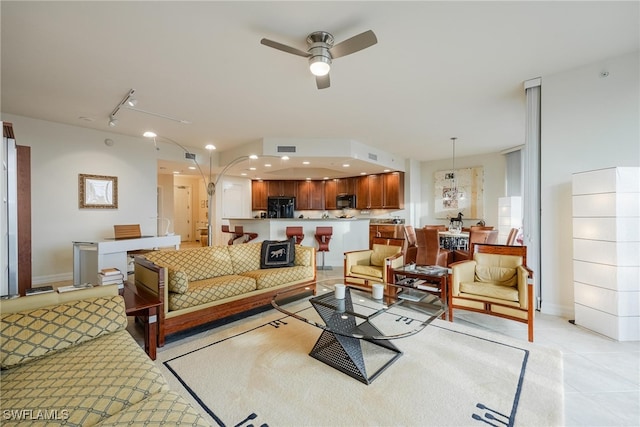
{"points": [[277, 253], [209, 290], [86, 383], [245, 257], [31, 334], [165, 408], [198, 263], [270, 277], [178, 281], [304, 255], [367, 270], [380, 252]]}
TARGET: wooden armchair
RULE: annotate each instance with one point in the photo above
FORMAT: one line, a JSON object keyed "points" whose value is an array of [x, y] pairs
{"points": [[496, 281], [363, 268]]}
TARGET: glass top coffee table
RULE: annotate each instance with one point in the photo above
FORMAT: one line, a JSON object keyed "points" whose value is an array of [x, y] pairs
{"points": [[356, 330]]}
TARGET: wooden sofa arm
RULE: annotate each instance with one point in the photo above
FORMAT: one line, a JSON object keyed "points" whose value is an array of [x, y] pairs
{"points": [[150, 278]]}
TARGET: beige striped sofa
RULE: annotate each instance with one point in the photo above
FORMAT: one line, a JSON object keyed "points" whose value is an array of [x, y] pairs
{"points": [[200, 285], [67, 359]]}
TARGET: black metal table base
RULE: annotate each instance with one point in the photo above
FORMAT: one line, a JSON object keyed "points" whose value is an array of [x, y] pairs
{"points": [[345, 353]]}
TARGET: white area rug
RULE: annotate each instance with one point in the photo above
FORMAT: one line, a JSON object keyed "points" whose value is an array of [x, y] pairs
{"points": [[257, 371]]}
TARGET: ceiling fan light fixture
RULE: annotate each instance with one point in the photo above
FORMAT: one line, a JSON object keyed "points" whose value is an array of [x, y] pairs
{"points": [[319, 65]]}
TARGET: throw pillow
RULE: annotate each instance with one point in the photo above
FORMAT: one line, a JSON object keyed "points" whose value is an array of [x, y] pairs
{"points": [[276, 253]]}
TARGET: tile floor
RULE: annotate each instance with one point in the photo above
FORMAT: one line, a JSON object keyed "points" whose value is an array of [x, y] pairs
{"points": [[601, 376]]}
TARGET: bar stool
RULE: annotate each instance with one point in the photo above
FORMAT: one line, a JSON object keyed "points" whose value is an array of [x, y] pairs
{"points": [[296, 233], [235, 234], [323, 236]]}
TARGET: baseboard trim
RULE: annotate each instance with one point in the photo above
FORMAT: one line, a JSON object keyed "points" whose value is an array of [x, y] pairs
{"points": [[40, 280]]}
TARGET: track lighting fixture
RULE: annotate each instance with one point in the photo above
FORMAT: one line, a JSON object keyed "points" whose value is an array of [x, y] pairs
{"points": [[129, 103]]}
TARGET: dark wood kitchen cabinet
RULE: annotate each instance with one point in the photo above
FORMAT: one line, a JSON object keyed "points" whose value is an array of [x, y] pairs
{"points": [[310, 195], [383, 191], [281, 188], [259, 195]]}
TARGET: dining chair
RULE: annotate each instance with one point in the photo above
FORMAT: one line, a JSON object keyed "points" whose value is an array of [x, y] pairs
{"points": [[410, 249], [475, 237], [429, 251]]}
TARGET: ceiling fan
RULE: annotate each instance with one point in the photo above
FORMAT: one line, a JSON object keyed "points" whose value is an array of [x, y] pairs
{"points": [[321, 51]]}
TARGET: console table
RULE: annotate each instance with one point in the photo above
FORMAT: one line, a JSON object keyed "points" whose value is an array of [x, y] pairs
{"points": [[89, 257]]}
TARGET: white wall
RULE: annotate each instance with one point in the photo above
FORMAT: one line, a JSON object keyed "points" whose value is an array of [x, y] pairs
{"points": [[58, 154], [588, 122], [494, 166]]}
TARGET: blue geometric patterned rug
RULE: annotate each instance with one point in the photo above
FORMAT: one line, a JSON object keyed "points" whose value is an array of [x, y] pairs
{"points": [[258, 372]]}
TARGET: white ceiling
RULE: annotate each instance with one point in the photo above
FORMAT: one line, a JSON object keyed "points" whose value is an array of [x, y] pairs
{"points": [[440, 69]]}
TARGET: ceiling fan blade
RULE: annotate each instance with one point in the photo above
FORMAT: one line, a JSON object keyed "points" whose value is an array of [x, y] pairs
{"points": [[284, 48], [322, 81], [354, 44]]}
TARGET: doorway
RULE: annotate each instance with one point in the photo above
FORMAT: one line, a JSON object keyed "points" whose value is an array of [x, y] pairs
{"points": [[182, 212]]}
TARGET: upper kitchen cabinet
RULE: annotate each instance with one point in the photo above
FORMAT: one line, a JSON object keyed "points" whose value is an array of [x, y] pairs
{"points": [[310, 195], [384, 191], [345, 185], [259, 195], [281, 188], [330, 193], [393, 190]]}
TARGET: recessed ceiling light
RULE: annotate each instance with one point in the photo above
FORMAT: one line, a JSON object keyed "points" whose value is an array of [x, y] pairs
{"points": [[210, 147], [252, 168], [326, 177], [149, 134], [308, 179], [363, 173], [86, 119], [285, 157], [305, 162], [192, 168], [253, 157], [387, 170], [346, 165], [176, 172], [243, 174], [267, 165]]}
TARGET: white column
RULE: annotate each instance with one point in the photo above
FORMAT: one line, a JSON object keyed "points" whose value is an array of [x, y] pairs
{"points": [[606, 251]]}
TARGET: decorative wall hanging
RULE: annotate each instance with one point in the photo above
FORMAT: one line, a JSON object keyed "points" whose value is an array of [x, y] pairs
{"points": [[464, 195], [97, 191]]}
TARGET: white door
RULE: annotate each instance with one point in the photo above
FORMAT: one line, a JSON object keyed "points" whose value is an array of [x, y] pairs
{"points": [[182, 212]]}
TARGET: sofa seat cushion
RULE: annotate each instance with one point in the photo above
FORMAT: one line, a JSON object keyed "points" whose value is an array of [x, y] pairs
{"points": [[198, 263], [491, 290], [209, 290], [245, 257], [270, 277], [366, 271], [31, 334], [161, 409], [88, 382]]}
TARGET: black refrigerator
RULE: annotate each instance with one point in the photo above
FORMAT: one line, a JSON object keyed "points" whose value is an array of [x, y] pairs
{"points": [[280, 207]]}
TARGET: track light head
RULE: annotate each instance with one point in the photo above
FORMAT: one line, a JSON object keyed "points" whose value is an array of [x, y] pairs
{"points": [[131, 102], [113, 122]]}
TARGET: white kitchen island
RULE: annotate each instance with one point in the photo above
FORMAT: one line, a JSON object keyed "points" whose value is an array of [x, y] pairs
{"points": [[348, 234]]}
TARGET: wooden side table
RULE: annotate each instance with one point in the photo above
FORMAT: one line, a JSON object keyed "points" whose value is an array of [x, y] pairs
{"points": [[143, 305], [437, 281]]}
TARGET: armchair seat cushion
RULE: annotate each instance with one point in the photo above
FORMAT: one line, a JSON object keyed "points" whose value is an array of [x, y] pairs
{"points": [[366, 271], [491, 290]]}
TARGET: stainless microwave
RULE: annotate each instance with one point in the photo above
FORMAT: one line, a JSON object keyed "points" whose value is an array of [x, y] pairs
{"points": [[346, 201]]}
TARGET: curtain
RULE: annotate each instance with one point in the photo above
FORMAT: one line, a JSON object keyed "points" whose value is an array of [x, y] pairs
{"points": [[531, 199]]}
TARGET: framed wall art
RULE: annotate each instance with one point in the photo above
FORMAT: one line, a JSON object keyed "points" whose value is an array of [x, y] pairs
{"points": [[97, 191], [469, 183]]}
